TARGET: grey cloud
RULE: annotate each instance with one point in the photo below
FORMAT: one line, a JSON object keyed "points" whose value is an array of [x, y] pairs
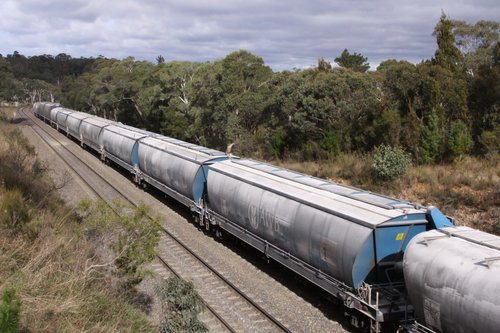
{"points": [[287, 34]]}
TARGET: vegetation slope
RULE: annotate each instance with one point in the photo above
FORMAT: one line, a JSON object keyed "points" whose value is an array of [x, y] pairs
{"points": [[75, 269]]}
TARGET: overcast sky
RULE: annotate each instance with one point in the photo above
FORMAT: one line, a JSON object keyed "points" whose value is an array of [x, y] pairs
{"points": [[286, 34]]}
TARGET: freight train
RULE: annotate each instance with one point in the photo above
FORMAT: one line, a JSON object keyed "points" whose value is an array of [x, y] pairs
{"points": [[390, 262]]}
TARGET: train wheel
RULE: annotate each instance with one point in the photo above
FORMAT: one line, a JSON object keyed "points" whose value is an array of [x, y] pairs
{"points": [[219, 234]]}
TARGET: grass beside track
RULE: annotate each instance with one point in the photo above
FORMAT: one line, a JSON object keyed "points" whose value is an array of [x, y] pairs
{"points": [[467, 189], [53, 259]]}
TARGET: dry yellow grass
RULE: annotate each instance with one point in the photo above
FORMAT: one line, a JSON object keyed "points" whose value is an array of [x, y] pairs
{"points": [[8, 112], [467, 189]]}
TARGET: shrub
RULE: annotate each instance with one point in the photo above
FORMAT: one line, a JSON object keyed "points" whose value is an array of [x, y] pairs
{"points": [[14, 212], [431, 141], [354, 167], [21, 170], [390, 162], [460, 141], [136, 244], [133, 236], [10, 309], [277, 144], [330, 143], [490, 140], [311, 151], [184, 305]]}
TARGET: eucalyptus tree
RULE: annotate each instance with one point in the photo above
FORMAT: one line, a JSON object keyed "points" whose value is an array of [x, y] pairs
{"points": [[448, 76], [476, 42], [118, 86], [479, 44], [354, 61], [38, 90], [230, 97], [405, 109], [209, 126], [485, 105], [169, 96], [244, 82], [327, 111], [9, 86]]}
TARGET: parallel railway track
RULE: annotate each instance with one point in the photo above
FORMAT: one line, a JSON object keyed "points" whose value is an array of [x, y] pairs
{"points": [[232, 309]]}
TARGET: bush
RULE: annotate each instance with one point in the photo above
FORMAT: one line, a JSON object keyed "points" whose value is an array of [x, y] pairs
{"points": [[136, 244], [354, 167], [14, 212], [431, 141], [10, 309], [311, 151], [490, 140], [277, 144], [330, 143], [184, 305], [460, 141], [21, 170], [133, 236], [390, 162]]}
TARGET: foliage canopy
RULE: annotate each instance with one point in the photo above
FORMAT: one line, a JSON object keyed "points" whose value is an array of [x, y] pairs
{"points": [[238, 102]]}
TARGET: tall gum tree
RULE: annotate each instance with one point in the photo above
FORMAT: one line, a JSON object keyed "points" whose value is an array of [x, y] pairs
{"points": [[449, 76]]}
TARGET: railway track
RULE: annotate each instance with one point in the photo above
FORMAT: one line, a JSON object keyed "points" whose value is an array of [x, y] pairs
{"points": [[229, 309]]}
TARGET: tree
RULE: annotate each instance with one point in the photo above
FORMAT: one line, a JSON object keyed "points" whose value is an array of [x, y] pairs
{"points": [[324, 65], [403, 85], [485, 104], [460, 141], [160, 59], [329, 142], [354, 61], [37, 90], [210, 118], [325, 112], [387, 126], [432, 141], [118, 85], [476, 42], [9, 85], [447, 54], [166, 98], [402, 82], [449, 77], [47, 67], [244, 85]]}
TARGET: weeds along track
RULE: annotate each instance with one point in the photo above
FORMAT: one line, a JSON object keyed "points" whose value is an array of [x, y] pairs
{"points": [[229, 309]]}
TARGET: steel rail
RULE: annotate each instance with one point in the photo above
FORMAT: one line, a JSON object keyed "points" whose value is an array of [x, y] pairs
{"points": [[264, 312]]}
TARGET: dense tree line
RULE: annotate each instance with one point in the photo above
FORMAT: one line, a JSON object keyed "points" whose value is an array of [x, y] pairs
{"points": [[437, 110], [28, 79]]}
